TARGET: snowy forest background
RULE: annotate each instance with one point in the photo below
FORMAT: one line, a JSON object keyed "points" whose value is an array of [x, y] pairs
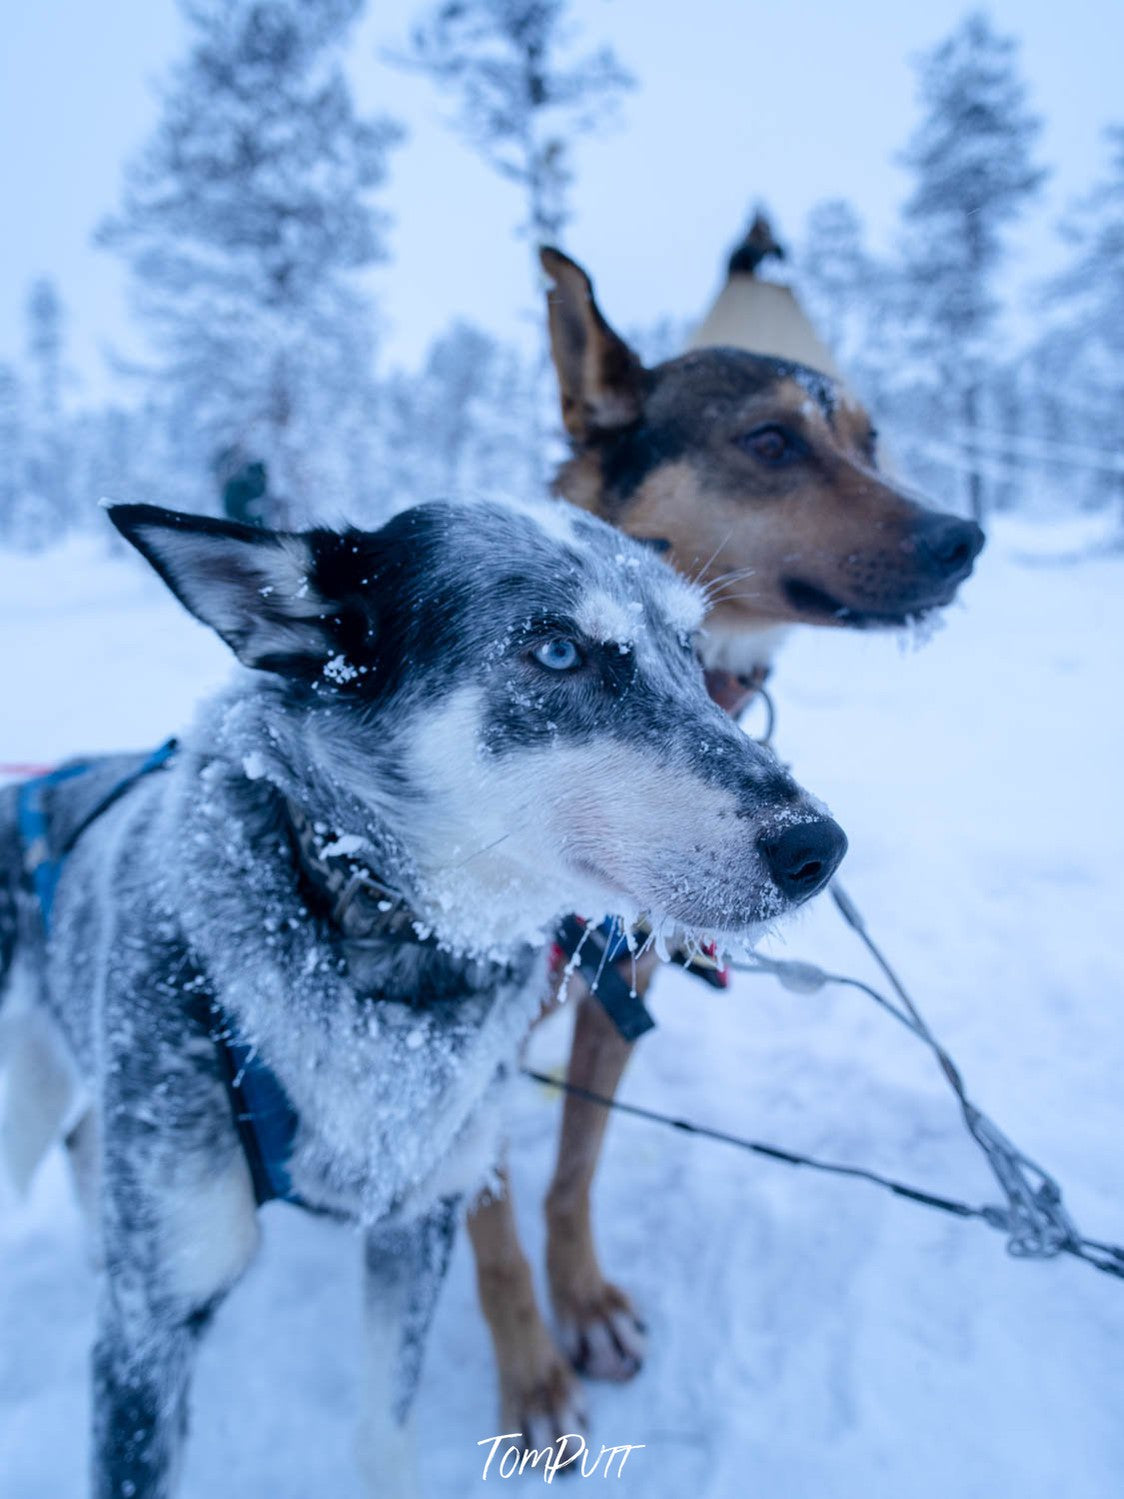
{"points": [[248, 217]]}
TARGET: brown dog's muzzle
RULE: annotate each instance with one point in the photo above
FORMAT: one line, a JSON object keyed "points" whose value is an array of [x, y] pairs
{"points": [[899, 562]]}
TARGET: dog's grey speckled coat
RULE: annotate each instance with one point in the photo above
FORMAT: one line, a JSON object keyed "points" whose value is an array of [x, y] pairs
{"points": [[401, 692]]}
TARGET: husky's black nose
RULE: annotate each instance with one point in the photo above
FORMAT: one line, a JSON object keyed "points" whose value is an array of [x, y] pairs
{"points": [[950, 546], [802, 859]]}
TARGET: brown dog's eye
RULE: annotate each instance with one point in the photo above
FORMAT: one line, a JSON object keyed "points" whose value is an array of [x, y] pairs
{"points": [[771, 445]]}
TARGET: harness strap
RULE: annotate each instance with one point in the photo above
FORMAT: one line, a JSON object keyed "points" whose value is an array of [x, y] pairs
{"points": [[155, 761], [593, 950], [263, 1115], [43, 867]]}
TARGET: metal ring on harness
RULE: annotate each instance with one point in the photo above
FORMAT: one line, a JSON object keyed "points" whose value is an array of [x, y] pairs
{"points": [[762, 694]]}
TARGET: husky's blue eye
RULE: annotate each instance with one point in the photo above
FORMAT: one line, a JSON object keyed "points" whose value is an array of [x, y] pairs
{"points": [[558, 654]]}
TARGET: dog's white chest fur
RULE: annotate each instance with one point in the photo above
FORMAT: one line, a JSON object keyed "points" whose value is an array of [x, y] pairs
{"points": [[424, 1123], [739, 650]]}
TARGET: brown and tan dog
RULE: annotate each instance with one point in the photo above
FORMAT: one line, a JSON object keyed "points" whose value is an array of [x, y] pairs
{"points": [[761, 477]]}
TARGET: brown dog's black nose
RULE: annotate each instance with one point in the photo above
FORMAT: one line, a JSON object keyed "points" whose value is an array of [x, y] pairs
{"points": [[950, 545], [802, 859]]}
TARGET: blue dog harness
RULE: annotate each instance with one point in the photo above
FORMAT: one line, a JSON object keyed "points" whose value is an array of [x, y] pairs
{"points": [[42, 865], [265, 1119]]}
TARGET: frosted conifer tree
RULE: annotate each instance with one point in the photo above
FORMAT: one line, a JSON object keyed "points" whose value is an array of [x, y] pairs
{"points": [[12, 442], [836, 272], [858, 301], [523, 98], [49, 504], [521, 103], [244, 221], [1089, 338], [458, 425], [972, 158], [45, 347]]}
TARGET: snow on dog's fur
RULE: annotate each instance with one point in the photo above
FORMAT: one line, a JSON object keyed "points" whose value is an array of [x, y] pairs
{"points": [[497, 710]]}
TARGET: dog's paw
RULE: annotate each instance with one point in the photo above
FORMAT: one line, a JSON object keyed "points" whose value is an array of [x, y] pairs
{"points": [[601, 1331], [545, 1403]]}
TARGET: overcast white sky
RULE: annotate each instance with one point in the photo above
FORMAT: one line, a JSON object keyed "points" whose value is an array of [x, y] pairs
{"points": [[789, 101]]}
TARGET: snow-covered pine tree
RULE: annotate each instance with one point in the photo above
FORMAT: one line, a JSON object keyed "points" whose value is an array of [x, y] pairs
{"points": [[836, 272], [855, 299], [45, 346], [858, 300], [244, 220], [523, 98], [521, 103], [458, 425], [1087, 301], [49, 506], [973, 161], [13, 437]]}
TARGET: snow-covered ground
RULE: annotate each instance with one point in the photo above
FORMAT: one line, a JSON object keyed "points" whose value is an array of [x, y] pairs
{"points": [[810, 1339]]}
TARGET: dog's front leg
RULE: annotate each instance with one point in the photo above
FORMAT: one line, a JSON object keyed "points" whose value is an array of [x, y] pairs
{"points": [[171, 1255], [404, 1268], [539, 1395], [173, 1246], [142, 1362], [178, 1225], [600, 1328]]}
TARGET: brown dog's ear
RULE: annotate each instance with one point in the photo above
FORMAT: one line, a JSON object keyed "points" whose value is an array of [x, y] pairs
{"points": [[600, 379]]}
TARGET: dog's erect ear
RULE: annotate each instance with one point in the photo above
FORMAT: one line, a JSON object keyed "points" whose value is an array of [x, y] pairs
{"points": [[251, 586], [600, 378]]}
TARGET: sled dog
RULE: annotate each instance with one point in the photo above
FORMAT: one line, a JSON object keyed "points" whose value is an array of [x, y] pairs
{"points": [[296, 956], [760, 478]]}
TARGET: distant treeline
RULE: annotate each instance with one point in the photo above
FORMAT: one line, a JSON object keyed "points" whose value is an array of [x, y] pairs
{"points": [[246, 216]]}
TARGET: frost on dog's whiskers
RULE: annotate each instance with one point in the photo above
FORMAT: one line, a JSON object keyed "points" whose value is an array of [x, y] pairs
{"points": [[919, 629]]}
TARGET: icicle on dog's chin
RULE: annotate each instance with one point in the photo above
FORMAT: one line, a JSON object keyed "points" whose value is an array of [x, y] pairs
{"points": [[645, 930], [919, 629], [723, 944]]}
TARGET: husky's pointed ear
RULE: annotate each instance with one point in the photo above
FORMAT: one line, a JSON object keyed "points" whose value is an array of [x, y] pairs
{"points": [[250, 585], [600, 378]]}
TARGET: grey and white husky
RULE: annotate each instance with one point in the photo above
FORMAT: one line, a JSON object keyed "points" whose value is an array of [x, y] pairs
{"points": [[447, 734]]}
